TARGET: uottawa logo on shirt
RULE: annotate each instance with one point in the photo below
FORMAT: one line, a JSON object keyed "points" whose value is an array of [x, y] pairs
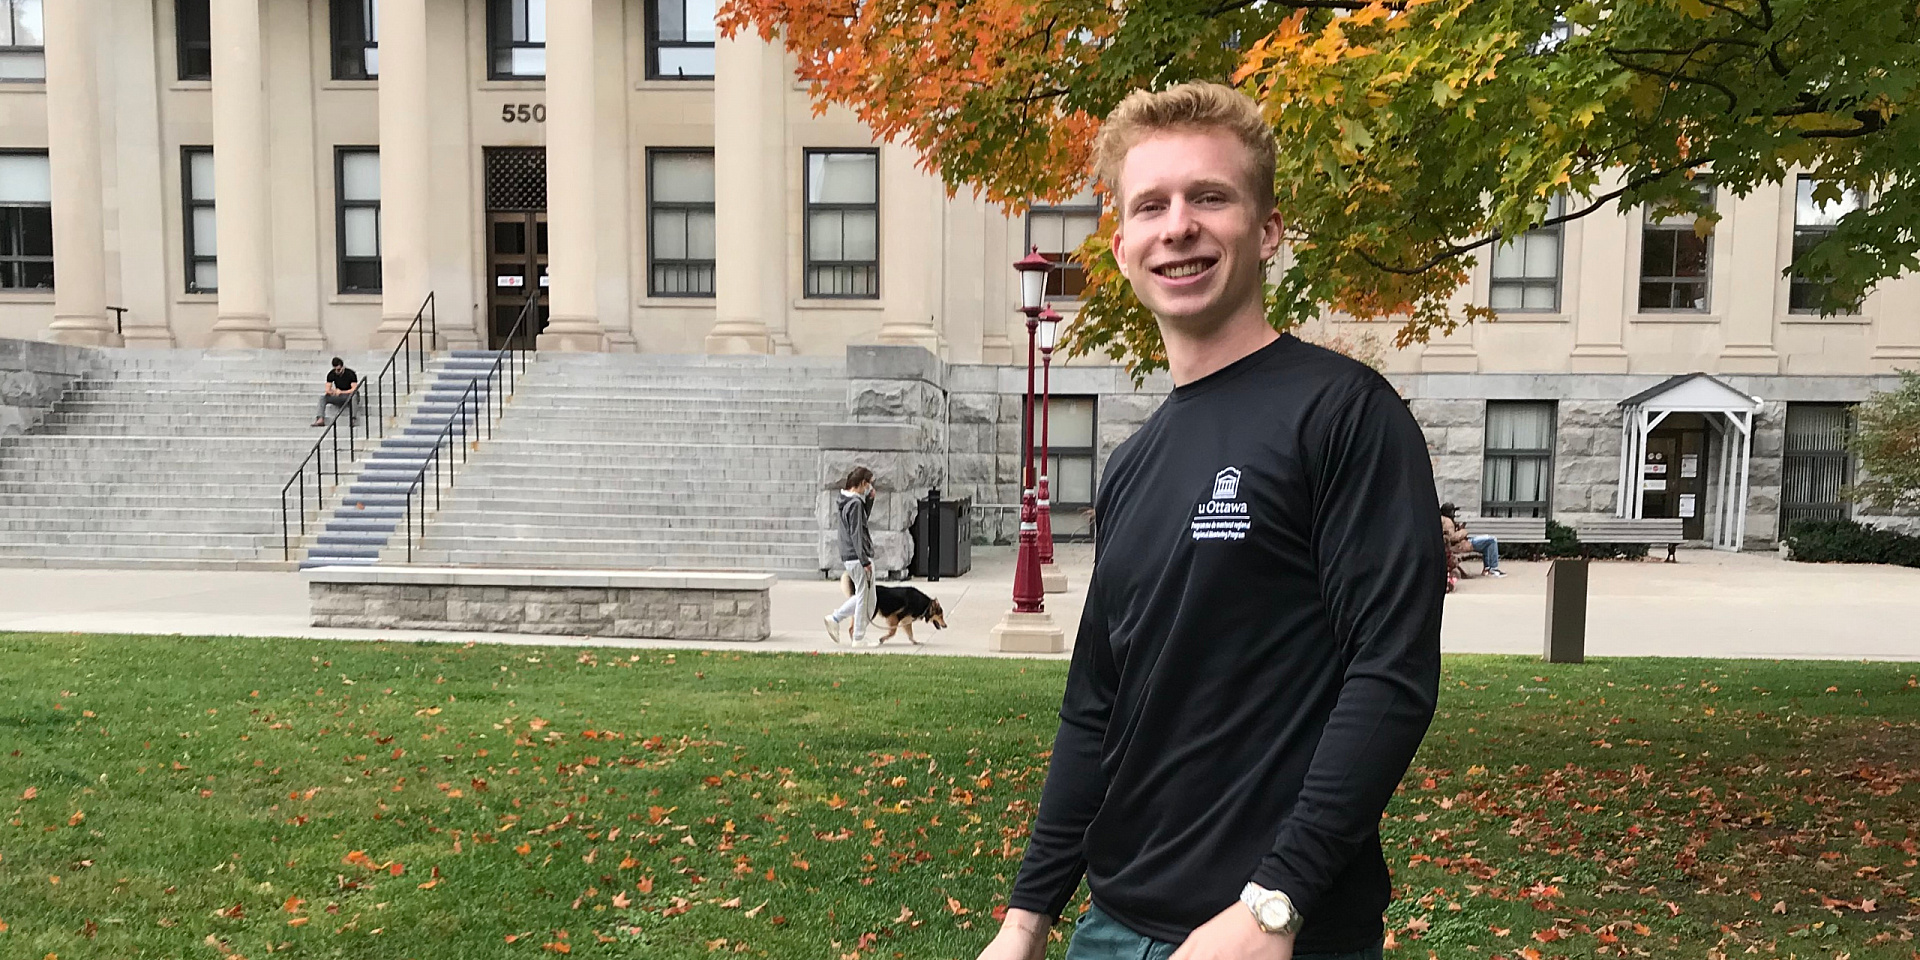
{"points": [[1225, 516]]}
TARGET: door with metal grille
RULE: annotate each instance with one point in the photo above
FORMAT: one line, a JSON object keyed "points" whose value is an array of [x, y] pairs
{"points": [[516, 242], [1817, 465]]}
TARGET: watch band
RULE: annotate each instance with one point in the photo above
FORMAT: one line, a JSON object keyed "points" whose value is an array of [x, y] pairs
{"points": [[1273, 910]]}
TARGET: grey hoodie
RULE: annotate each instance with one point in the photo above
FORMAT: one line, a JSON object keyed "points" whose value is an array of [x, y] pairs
{"points": [[855, 543]]}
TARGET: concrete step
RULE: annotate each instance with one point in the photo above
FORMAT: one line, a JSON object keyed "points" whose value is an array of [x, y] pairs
{"points": [[637, 503], [542, 525], [13, 528], [195, 540]]}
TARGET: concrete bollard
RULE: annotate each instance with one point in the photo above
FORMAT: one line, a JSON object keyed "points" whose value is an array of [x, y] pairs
{"points": [[1567, 612]]}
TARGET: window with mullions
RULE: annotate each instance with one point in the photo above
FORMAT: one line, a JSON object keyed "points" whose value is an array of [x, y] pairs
{"points": [[680, 245], [1070, 465], [26, 222], [357, 185], [1057, 231], [1674, 260], [193, 39], [1526, 272], [1813, 220], [680, 39], [356, 39], [517, 37], [196, 201], [843, 223], [23, 44], [1517, 479], [1817, 464]]}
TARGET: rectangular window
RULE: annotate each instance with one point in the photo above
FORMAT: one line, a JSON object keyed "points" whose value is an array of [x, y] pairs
{"points": [[23, 44], [843, 223], [193, 39], [517, 37], [26, 222], [1674, 260], [680, 246], [680, 39], [1526, 272], [196, 201], [1813, 220], [1817, 466], [1070, 465], [1057, 231], [356, 39], [1517, 480], [357, 185]]}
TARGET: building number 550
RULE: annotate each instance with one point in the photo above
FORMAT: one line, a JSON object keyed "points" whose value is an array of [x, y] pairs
{"points": [[523, 112]]}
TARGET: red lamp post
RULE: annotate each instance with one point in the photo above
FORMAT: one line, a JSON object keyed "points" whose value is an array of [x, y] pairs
{"points": [[1049, 337], [1028, 589]]}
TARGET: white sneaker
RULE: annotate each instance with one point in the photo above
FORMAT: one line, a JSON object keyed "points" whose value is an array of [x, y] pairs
{"points": [[833, 629], [1496, 572], [867, 644]]}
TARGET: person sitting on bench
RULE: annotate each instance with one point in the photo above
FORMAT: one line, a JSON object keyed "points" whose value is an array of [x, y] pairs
{"points": [[342, 383], [1455, 530]]}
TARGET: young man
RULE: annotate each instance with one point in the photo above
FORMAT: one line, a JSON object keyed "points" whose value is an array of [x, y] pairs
{"points": [[1259, 655], [342, 382]]}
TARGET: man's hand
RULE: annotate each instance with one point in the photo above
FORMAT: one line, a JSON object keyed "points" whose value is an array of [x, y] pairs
{"points": [[1022, 936], [1233, 934]]}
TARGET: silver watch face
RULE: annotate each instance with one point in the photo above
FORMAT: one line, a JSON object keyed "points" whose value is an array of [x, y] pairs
{"points": [[1274, 914]]}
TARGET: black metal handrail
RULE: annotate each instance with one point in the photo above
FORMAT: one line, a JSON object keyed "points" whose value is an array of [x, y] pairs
{"points": [[508, 363], [363, 418]]}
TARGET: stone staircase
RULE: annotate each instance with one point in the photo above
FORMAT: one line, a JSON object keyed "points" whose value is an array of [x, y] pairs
{"points": [[372, 507], [646, 461], [163, 458]]}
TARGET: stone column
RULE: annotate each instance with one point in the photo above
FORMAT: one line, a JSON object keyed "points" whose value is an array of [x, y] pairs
{"points": [[1600, 312], [748, 206], [243, 214], [1754, 286], [406, 167], [73, 154], [895, 403], [574, 322], [910, 219]]}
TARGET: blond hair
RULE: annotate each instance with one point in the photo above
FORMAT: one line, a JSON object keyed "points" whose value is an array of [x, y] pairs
{"points": [[1184, 108]]}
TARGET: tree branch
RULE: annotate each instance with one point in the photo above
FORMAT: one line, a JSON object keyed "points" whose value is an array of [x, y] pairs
{"points": [[1871, 122], [1496, 236], [1733, 100]]}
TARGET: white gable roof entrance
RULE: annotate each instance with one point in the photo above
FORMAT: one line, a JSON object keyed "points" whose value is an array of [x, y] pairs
{"points": [[1728, 412]]}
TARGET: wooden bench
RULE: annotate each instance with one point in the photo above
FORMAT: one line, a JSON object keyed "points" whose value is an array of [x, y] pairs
{"points": [[1652, 531], [1508, 529], [654, 604]]}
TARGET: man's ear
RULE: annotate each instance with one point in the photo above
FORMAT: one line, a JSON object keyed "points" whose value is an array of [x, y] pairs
{"points": [[1270, 233], [1119, 248]]}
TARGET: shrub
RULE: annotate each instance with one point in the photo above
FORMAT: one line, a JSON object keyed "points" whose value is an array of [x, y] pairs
{"points": [[1845, 541], [1562, 542]]}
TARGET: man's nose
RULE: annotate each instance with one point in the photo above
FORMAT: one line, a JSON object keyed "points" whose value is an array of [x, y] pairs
{"points": [[1179, 225]]}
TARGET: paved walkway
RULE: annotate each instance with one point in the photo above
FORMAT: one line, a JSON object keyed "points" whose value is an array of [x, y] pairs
{"points": [[1709, 604]]}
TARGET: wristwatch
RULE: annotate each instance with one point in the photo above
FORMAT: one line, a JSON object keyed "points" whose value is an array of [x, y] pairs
{"points": [[1272, 909]]}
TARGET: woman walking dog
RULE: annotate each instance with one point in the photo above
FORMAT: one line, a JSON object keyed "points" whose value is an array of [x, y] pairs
{"points": [[856, 554]]}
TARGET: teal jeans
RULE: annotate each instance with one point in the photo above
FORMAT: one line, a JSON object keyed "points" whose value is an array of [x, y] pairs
{"points": [[1100, 937]]}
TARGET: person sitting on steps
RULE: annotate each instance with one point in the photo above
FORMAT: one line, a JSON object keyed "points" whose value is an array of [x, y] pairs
{"points": [[342, 384]]}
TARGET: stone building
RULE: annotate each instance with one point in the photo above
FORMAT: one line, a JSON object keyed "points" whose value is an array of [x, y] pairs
{"points": [[304, 174]]}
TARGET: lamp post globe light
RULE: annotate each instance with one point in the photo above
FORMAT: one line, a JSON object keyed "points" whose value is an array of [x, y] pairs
{"points": [[1052, 578], [1027, 628]]}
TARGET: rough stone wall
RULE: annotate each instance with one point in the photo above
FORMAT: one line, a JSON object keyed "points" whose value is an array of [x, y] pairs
{"points": [[896, 406], [32, 376], [1456, 441], [596, 611], [1768, 468], [1586, 467]]}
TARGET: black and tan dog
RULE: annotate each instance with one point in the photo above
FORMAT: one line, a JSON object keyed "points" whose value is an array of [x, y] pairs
{"points": [[900, 607]]}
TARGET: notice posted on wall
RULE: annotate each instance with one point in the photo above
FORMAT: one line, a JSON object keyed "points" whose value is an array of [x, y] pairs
{"points": [[1690, 465], [1686, 506], [1656, 486]]}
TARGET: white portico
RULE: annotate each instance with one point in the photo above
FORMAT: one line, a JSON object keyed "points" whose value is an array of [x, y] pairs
{"points": [[1709, 481]]}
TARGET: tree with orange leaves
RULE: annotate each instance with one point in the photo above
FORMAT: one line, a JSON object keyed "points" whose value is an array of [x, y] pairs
{"points": [[1414, 134]]}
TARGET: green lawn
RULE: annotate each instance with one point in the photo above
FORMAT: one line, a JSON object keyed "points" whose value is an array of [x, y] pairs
{"points": [[200, 798]]}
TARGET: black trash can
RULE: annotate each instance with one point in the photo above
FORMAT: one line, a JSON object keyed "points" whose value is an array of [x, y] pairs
{"points": [[951, 536]]}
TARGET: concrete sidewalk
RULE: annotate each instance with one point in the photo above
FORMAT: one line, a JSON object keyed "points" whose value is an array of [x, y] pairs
{"points": [[1707, 605]]}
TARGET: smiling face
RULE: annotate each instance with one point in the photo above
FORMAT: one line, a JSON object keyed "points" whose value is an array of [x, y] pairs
{"points": [[1193, 235]]}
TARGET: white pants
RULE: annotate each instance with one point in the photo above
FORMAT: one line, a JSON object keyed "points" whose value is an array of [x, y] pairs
{"points": [[860, 605]]}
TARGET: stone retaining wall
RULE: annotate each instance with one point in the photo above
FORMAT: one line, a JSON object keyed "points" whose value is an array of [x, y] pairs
{"points": [[560, 606], [32, 376]]}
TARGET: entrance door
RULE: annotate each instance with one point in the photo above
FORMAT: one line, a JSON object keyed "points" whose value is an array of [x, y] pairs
{"points": [[516, 220], [517, 251], [1676, 471]]}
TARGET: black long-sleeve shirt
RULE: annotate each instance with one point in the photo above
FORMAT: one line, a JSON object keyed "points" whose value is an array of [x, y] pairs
{"points": [[1258, 659]]}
